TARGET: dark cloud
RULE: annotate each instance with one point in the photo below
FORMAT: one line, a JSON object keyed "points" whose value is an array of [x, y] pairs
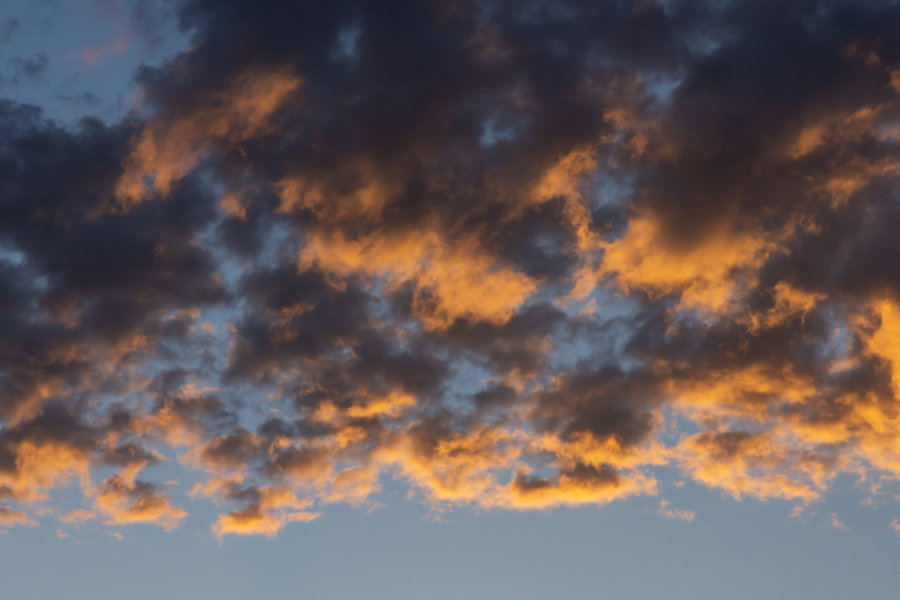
{"points": [[28, 68], [504, 251], [10, 26]]}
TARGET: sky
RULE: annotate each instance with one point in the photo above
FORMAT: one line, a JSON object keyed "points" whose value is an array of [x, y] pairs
{"points": [[449, 299]]}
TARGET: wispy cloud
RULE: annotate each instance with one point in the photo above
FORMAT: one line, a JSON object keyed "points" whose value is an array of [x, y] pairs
{"points": [[670, 512]]}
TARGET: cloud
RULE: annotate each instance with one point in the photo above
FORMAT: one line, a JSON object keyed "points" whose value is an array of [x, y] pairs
{"points": [[167, 149], [91, 55], [582, 485], [670, 512], [837, 524], [28, 68], [453, 280], [9, 517], [514, 257], [269, 510], [136, 502]]}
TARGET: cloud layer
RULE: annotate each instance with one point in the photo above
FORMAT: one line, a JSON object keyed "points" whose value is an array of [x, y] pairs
{"points": [[514, 255]]}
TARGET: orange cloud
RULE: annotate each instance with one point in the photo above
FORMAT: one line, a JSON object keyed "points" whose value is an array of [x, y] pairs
{"points": [[78, 516], [884, 341], [234, 205], [331, 201], [300, 465], [708, 275], [586, 448], [168, 148], [124, 500], [276, 508], [583, 485], [743, 391], [10, 518], [788, 303], [837, 524], [41, 465], [874, 427], [453, 280], [746, 465], [354, 485], [565, 180], [178, 419], [391, 405], [452, 467], [670, 512]]}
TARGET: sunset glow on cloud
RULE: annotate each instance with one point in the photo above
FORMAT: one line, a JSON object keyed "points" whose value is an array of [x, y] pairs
{"points": [[476, 257]]}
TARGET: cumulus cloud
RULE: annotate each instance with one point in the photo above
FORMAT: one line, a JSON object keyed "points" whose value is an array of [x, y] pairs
{"points": [[517, 256]]}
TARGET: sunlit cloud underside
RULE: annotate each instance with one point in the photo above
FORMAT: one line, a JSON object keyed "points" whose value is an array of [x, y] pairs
{"points": [[507, 256]]}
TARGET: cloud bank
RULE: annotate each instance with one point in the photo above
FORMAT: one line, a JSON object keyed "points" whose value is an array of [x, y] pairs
{"points": [[513, 255]]}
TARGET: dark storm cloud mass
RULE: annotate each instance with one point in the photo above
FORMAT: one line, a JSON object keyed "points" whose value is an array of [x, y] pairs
{"points": [[519, 255]]}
